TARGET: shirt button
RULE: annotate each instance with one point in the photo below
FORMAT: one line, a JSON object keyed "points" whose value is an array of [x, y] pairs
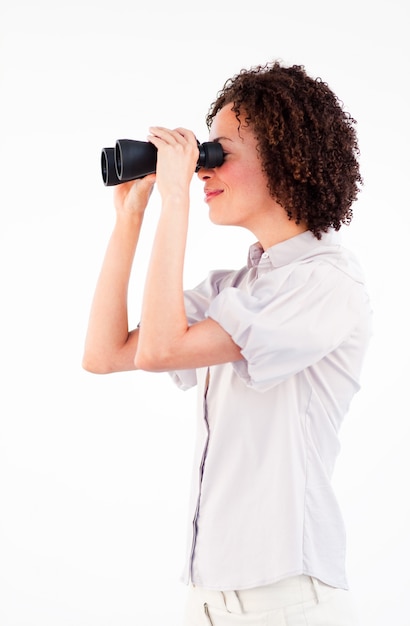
{"points": [[265, 255]]}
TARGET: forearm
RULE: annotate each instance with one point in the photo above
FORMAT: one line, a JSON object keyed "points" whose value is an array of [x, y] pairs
{"points": [[163, 318], [109, 345], [165, 340]]}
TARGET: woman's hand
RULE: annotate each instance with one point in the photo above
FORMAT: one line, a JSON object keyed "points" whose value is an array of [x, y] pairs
{"points": [[163, 310], [110, 346], [176, 161], [132, 197]]}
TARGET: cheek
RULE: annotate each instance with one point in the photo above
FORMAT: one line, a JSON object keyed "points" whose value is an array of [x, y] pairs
{"points": [[240, 177]]}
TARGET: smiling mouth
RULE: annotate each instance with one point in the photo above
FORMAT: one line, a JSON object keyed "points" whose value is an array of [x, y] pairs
{"points": [[210, 194]]}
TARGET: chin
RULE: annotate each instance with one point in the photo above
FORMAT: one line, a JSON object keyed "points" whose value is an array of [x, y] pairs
{"points": [[219, 222], [217, 218]]}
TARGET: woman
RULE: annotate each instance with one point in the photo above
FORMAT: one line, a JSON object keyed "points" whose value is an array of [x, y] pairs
{"points": [[275, 348]]}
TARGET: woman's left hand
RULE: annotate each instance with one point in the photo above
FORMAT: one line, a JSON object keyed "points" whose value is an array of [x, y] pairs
{"points": [[176, 160]]}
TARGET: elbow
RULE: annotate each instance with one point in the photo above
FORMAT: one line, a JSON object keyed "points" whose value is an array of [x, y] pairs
{"points": [[151, 362], [157, 355], [91, 363]]}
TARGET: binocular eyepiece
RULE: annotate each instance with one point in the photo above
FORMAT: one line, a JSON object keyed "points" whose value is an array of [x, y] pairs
{"points": [[131, 159]]}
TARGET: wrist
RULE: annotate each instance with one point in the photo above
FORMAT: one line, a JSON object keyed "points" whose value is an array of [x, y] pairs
{"points": [[129, 219], [176, 201]]}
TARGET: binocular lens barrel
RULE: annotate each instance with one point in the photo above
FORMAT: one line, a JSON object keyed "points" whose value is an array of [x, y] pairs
{"points": [[131, 159], [108, 171], [134, 159]]}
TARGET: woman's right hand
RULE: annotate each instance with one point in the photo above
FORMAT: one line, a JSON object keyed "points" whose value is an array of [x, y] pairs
{"points": [[132, 197]]}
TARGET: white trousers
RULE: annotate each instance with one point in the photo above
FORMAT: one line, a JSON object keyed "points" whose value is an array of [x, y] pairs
{"points": [[295, 601]]}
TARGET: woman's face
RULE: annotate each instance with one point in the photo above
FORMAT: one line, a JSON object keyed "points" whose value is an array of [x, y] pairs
{"points": [[236, 192]]}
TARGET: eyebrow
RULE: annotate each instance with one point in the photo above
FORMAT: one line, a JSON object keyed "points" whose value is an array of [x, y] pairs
{"points": [[218, 139]]}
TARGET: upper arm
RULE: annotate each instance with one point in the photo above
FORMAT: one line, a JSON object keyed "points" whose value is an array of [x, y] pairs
{"points": [[204, 343], [107, 362]]}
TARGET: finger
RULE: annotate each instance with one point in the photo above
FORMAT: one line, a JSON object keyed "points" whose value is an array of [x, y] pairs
{"points": [[143, 187], [186, 134], [178, 135], [163, 134], [130, 186], [136, 182], [123, 187]]}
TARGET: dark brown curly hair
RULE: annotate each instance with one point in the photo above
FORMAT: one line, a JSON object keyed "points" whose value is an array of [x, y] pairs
{"points": [[307, 142]]}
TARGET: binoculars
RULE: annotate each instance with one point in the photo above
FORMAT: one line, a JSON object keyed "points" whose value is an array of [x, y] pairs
{"points": [[131, 159]]}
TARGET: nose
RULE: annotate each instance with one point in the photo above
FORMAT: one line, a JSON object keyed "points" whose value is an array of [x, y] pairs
{"points": [[205, 173]]}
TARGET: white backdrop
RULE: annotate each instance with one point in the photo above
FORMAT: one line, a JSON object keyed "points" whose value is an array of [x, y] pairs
{"points": [[94, 471]]}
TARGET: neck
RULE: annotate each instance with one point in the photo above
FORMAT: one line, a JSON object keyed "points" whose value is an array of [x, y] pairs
{"points": [[280, 232]]}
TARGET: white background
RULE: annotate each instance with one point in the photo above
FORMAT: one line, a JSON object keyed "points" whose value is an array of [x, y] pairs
{"points": [[94, 471]]}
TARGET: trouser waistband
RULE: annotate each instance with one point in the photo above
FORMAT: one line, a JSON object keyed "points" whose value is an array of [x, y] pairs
{"points": [[288, 592]]}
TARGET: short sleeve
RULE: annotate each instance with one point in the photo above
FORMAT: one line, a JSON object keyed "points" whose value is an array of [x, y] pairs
{"points": [[197, 302], [286, 322], [184, 379]]}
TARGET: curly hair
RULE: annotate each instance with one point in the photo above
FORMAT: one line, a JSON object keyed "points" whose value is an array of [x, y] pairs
{"points": [[306, 141]]}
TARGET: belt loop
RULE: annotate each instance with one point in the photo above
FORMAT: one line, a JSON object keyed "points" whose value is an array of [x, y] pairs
{"points": [[232, 602], [239, 601], [316, 587]]}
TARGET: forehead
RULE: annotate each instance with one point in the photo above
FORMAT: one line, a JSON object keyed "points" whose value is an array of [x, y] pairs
{"points": [[226, 125]]}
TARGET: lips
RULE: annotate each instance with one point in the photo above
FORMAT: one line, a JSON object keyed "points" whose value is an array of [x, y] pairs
{"points": [[212, 193]]}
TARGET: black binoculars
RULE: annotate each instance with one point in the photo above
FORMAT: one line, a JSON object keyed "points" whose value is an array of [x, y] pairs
{"points": [[131, 159]]}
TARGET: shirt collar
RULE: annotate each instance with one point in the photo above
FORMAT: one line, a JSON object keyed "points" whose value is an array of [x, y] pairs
{"points": [[294, 248]]}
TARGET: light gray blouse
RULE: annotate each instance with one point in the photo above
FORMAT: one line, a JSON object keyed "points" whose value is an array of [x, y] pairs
{"points": [[262, 504]]}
